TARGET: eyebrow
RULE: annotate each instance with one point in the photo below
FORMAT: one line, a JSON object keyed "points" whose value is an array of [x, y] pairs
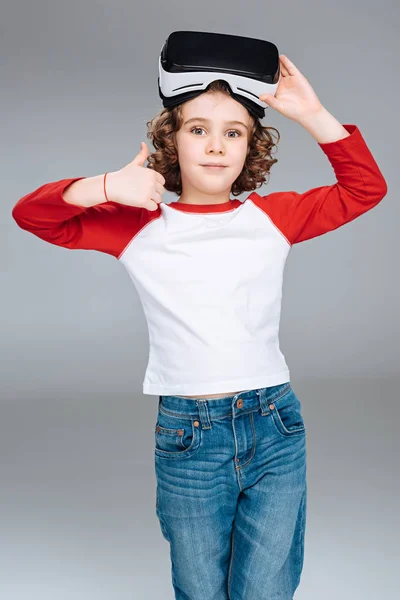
{"points": [[208, 120]]}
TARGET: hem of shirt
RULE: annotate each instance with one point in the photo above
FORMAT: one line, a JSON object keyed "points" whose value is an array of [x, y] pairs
{"points": [[221, 387]]}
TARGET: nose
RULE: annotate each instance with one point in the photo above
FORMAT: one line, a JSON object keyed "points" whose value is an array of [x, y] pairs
{"points": [[215, 145]]}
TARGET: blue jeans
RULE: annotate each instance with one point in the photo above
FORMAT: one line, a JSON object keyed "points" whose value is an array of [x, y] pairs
{"points": [[231, 493]]}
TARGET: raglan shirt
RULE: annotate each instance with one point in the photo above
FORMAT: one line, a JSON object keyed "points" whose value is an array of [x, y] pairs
{"points": [[209, 277]]}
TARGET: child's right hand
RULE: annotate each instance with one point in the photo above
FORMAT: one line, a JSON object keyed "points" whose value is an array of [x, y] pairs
{"points": [[135, 185]]}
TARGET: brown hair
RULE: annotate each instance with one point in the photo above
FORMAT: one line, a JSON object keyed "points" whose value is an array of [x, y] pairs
{"points": [[161, 132]]}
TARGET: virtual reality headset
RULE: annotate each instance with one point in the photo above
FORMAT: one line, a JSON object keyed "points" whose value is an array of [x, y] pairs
{"points": [[190, 60]]}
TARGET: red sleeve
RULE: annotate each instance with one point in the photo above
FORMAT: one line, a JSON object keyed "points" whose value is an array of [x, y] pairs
{"points": [[359, 187], [106, 227]]}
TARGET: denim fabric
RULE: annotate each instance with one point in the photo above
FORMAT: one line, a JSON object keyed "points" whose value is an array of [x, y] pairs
{"points": [[231, 493]]}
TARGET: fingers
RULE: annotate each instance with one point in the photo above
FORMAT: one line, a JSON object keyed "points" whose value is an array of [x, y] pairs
{"points": [[283, 66], [159, 177], [156, 197], [287, 67], [160, 188], [150, 205]]}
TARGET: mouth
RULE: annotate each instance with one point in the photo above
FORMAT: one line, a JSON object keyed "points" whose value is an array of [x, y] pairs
{"points": [[216, 167]]}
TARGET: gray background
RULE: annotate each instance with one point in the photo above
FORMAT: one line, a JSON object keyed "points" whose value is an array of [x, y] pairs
{"points": [[79, 82]]}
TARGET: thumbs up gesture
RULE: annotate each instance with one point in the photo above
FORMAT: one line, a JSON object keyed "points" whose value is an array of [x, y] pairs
{"points": [[136, 185]]}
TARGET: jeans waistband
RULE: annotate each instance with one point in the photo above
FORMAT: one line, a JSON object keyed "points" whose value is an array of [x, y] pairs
{"points": [[217, 408]]}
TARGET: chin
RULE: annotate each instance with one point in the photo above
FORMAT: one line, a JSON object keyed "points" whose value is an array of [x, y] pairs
{"points": [[213, 189]]}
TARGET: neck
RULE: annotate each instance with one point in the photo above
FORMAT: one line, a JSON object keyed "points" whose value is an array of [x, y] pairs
{"points": [[204, 199]]}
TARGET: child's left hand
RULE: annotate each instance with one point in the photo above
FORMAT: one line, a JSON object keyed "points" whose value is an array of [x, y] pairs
{"points": [[294, 98]]}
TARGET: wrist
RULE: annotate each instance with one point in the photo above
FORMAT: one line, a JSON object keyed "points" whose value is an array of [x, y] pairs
{"points": [[324, 127], [109, 186]]}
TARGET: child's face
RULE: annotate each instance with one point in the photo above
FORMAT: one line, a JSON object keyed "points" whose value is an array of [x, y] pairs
{"points": [[212, 141]]}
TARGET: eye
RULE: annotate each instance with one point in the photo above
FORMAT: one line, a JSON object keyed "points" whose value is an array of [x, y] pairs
{"points": [[231, 131]]}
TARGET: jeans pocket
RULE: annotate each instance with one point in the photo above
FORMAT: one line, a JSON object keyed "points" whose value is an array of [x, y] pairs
{"points": [[175, 436], [286, 414]]}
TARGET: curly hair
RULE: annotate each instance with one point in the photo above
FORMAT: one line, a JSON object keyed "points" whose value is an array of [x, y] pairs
{"points": [[161, 132]]}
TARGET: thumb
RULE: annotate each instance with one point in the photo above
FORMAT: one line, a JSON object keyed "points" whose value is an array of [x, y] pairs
{"points": [[270, 100], [142, 155]]}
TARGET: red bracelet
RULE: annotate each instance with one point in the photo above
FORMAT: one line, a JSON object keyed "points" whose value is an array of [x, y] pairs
{"points": [[105, 193]]}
